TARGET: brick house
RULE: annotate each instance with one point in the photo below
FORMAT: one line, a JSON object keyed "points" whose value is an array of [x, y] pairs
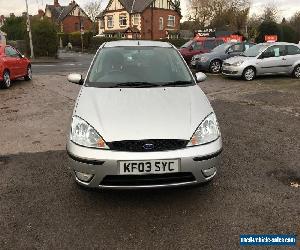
{"points": [[143, 19], [70, 18]]}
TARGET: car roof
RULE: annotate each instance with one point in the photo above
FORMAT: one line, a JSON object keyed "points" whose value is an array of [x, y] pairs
{"points": [[143, 43], [278, 43]]}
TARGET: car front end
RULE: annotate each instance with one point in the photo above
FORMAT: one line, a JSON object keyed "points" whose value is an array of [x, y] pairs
{"points": [[200, 62], [137, 134], [234, 67]]}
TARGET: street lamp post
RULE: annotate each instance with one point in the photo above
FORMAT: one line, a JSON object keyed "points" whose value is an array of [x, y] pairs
{"points": [[29, 32]]}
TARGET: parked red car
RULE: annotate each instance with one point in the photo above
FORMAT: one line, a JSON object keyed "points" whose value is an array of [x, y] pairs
{"points": [[13, 65], [199, 46]]}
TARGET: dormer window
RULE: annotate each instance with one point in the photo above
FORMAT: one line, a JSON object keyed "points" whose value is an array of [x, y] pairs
{"points": [[123, 20], [136, 19]]}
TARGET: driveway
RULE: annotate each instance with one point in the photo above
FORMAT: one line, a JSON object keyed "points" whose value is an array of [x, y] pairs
{"points": [[255, 192]]}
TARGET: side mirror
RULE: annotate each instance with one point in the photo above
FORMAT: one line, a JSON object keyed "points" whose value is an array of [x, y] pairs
{"points": [[75, 78], [200, 77], [22, 56], [229, 51]]}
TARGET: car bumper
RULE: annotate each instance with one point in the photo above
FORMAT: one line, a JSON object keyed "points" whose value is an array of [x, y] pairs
{"points": [[197, 165], [232, 71], [201, 66]]}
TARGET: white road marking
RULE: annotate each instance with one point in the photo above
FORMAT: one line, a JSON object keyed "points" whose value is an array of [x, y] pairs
{"points": [[44, 65]]}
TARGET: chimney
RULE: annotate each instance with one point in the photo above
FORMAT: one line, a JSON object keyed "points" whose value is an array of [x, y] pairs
{"points": [[56, 3]]}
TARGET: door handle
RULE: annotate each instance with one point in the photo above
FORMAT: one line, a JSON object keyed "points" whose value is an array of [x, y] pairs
{"points": [[283, 59]]}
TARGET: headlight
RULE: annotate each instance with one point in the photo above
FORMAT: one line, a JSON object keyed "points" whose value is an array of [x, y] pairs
{"points": [[204, 59], [85, 135], [239, 63], [207, 131]]}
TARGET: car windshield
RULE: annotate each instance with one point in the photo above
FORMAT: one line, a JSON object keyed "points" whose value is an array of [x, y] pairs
{"points": [[187, 44], [221, 47], [255, 50], [138, 67]]}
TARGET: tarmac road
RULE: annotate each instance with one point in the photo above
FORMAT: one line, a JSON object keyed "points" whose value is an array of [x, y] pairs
{"points": [[42, 208], [68, 62]]}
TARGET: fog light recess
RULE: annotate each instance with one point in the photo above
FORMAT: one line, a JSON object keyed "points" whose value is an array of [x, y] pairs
{"points": [[84, 176], [209, 172]]}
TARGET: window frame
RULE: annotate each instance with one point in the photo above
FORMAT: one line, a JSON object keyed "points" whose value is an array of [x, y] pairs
{"points": [[122, 17], [161, 23], [108, 21], [136, 17], [171, 18]]}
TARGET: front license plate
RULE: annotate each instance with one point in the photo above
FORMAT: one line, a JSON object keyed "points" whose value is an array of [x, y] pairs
{"points": [[148, 167]]}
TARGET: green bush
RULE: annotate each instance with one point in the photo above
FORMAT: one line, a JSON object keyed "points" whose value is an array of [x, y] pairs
{"points": [[96, 42], [44, 37], [75, 39], [64, 38]]}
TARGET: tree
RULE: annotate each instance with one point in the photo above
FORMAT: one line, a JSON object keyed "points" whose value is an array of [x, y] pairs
{"points": [[44, 34], [268, 28], [295, 23], [93, 9], [232, 14], [270, 13], [14, 27]]}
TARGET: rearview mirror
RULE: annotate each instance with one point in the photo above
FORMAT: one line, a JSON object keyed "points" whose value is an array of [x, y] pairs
{"points": [[200, 77], [75, 78]]}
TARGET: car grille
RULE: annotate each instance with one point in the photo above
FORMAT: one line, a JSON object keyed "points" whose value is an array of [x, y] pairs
{"points": [[229, 72], [153, 145], [149, 179]]}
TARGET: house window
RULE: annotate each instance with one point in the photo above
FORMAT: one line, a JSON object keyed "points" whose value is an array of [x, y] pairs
{"points": [[171, 21], [76, 26], [110, 22], [161, 23], [123, 20], [136, 19]]}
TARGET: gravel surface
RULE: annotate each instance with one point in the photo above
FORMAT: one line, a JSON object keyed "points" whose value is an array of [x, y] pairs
{"points": [[254, 191]]}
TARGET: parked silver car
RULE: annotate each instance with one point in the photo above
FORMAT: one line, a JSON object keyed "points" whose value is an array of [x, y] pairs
{"points": [[265, 59], [141, 120]]}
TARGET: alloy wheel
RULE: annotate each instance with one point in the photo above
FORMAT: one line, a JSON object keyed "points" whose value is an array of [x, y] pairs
{"points": [[249, 74], [215, 67], [6, 79]]}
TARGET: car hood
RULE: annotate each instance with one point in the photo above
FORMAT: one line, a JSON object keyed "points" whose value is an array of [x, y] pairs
{"points": [[143, 113], [208, 55], [238, 59]]}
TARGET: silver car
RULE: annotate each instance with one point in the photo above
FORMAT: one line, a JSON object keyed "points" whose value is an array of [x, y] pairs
{"points": [[141, 120], [265, 59]]}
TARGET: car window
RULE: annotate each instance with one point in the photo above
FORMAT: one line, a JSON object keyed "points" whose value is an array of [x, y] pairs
{"points": [[137, 64], [198, 46], [9, 51], [275, 51], [293, 50], [248, 45], [236, 47], [209, 44]]}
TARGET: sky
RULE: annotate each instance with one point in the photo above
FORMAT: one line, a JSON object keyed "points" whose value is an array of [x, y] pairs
{"points": [[286, 7]]}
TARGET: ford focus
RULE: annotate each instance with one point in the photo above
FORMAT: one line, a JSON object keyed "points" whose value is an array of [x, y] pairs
{"points": [[142, 121]]}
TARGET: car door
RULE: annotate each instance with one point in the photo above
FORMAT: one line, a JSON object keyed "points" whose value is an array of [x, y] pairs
{"points": [[272, 60], [292, 56], [10, 62]]}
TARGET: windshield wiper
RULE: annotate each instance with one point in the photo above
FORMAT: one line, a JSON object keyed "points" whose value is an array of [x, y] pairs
{"points": [[177, 83], [135, 85]]}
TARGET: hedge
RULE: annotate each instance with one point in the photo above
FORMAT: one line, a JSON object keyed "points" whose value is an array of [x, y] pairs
{"points": [[75, 39]]}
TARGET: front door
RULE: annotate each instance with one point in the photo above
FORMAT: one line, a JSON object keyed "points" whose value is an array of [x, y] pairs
{"points": [[273, 61]]}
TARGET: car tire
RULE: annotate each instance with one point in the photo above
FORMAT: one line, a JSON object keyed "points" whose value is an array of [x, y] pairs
{"points": [[296, 72], [215, 67], [6, 83], [249, 73], [28, 76]]}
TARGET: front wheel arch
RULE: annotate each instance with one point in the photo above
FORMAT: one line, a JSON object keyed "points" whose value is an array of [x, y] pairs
{"points": [[244, 73]]}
